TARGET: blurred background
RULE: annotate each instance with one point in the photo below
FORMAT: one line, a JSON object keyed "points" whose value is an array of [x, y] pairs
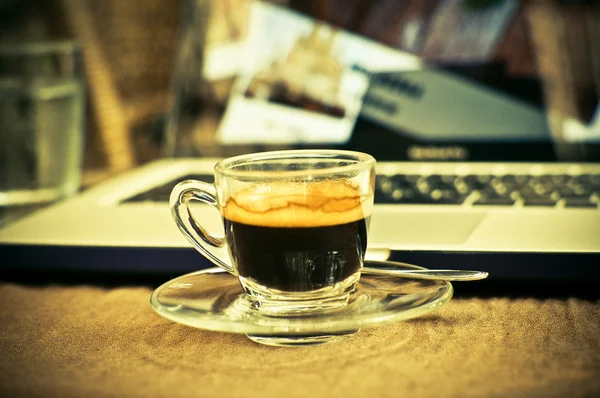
{"points": [[153, 78]]}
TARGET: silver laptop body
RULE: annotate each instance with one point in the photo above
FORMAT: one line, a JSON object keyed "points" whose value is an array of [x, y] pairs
{"points": [[514, 212]]}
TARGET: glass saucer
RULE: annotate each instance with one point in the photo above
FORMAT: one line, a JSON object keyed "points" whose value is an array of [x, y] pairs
{"points": [[213, 299]]}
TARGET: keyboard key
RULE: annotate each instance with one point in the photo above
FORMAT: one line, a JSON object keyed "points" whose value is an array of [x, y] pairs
{"points": [[546, 178], [509, 179], [543, 189], [163, 192], [560, 179], [447, 196], [565, 191], [448, 179], [518, 179], [423, 186], [582, 178], [477, 182], [582, 190], [434, 179], [445, 181], [385, 184], [507, 184], [412, 196], [495, 201], [528, 192], [540, 201], [398, 195], [494, 192], [402, 181], [501, 189], [579, 182], [411, 178], [461, 185], [579, 201]]}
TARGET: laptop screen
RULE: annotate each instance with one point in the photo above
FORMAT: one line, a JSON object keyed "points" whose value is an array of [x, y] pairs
{"points": [[446, 81]]}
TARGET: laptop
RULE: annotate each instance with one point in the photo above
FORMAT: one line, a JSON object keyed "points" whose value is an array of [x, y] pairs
{"points": [[469, 176]]}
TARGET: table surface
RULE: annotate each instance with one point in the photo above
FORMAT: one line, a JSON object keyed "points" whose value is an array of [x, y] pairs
{"points": [[76, 341]]}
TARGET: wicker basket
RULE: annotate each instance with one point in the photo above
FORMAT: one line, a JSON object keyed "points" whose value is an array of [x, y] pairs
{"points": [[129, 49]]}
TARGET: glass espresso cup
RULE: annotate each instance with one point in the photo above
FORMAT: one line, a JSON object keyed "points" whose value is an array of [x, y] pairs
{"points": [[296, 225]]}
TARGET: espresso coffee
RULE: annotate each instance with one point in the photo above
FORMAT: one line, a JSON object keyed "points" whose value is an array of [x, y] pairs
{"points": [[297, 237]]}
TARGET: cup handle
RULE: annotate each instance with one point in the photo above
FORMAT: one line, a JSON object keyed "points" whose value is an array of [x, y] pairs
{"points": [[212, 247]]}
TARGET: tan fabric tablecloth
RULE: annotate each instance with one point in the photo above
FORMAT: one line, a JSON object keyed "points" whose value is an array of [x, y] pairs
{"points": [[87, 341]]}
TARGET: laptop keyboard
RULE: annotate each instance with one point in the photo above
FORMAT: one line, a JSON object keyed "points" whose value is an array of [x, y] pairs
{"points": [[580, 191], [162, 192], [489, 190]]}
